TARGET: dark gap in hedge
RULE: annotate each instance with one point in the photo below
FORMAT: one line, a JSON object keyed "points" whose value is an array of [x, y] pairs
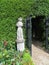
{"points": [[38, 26]]}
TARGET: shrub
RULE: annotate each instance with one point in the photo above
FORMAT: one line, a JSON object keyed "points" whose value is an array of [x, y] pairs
{"points": [[9, 55], [12, 57]]}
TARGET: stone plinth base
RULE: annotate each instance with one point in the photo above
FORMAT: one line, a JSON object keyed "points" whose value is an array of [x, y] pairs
{"points": [[20, 46]]}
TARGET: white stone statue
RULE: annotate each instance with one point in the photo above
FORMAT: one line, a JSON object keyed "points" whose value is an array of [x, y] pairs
{"points": [[20, 39]]}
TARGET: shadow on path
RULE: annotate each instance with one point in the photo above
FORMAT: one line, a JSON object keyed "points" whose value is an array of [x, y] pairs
{"points": [[39, 45]]}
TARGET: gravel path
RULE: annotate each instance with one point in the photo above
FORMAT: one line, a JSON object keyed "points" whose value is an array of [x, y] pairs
{"points": [[39, 56]]}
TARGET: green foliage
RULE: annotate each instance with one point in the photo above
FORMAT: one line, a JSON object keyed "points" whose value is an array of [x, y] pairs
{"points": [[41, 7], [9, 45], [26, 55], [14, 57], [9, 55], [11, 10], [48, 38], [28, 60]]}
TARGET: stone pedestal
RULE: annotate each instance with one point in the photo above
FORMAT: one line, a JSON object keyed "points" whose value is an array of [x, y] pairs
{"points": [[20, 39], [20, 46]]}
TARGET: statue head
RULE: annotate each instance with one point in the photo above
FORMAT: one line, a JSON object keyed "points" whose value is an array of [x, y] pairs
{"points": [[19, 24]]}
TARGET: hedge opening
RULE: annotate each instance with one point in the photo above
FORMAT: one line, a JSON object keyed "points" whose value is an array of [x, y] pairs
{"points": [[38, 28]]}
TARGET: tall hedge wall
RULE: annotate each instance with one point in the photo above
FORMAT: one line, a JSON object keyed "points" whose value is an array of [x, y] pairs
{"points": [[10, 10]]}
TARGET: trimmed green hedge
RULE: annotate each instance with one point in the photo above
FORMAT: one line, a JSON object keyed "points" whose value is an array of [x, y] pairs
{"points": [[11, 10]]}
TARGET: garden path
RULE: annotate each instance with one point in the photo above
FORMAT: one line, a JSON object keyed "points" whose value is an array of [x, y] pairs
{"points": [[40, 57]]}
